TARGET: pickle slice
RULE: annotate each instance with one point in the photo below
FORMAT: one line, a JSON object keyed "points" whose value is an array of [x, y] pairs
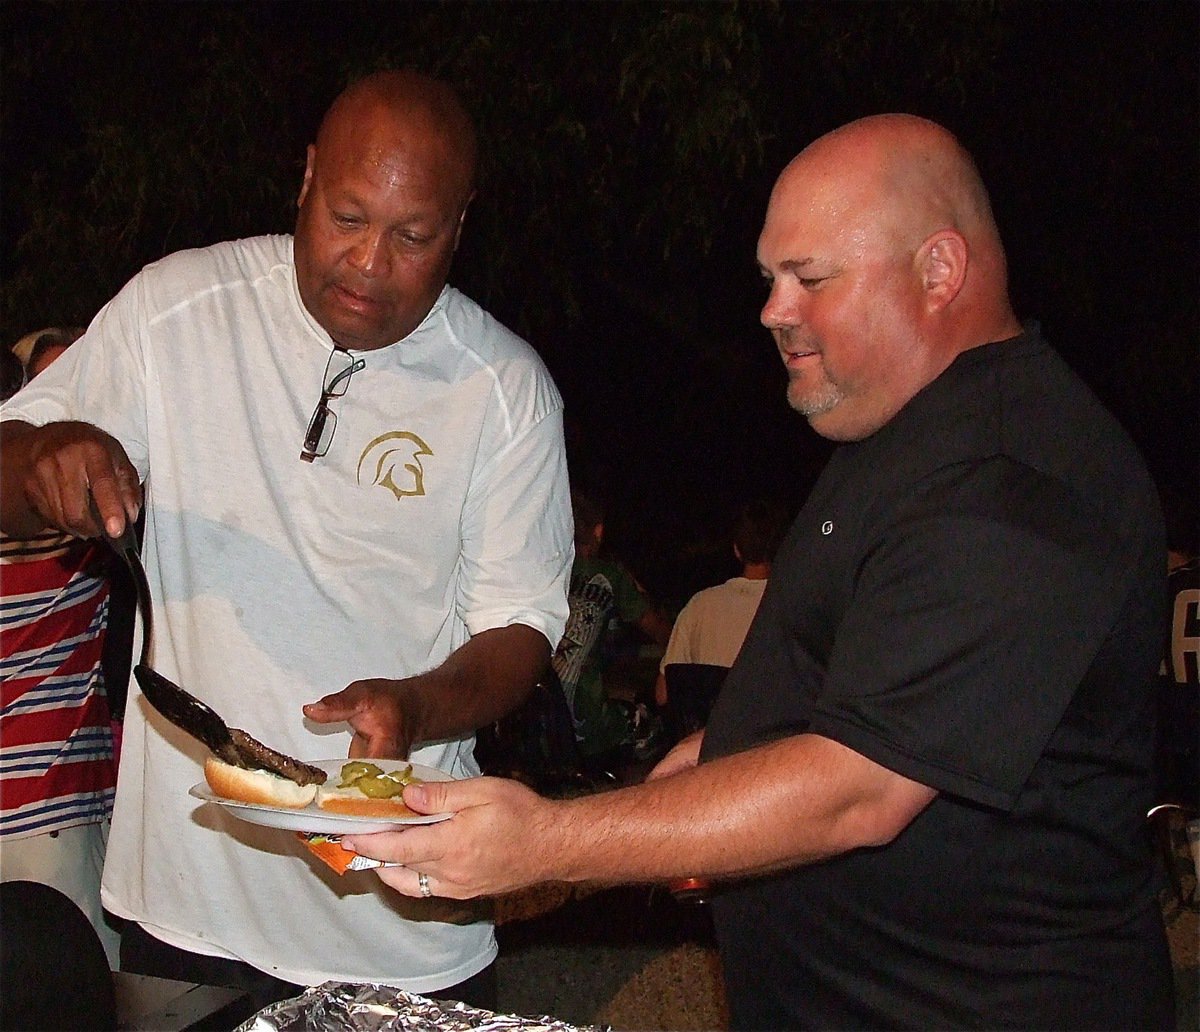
{"points": [[374, 782]]}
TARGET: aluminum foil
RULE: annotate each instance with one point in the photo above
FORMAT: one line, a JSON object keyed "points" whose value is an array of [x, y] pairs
{"points": [[345, 1007]]}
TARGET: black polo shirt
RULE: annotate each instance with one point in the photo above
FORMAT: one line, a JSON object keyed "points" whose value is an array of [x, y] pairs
{"points": [[971, 597]]}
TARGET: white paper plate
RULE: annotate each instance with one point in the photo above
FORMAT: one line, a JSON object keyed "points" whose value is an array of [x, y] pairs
{"points": [[313, 820]]}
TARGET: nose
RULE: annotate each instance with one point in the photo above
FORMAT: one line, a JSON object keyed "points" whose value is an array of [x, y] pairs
{"points": [[777, 311], [369, 255]]}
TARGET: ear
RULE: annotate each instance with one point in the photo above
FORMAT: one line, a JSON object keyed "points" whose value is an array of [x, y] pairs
{"points": [[942, 265], [309, 163]]}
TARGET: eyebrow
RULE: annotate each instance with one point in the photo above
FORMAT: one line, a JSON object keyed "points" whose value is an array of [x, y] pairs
{"points": [[791, 265]]}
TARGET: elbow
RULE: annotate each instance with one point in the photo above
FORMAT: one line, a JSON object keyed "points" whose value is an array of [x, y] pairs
{"points": [[880, 820]]}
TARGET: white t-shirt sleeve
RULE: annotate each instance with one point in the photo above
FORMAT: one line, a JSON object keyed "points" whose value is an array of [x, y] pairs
{"points": [[100, 379], [517, 535], [679, 647]]}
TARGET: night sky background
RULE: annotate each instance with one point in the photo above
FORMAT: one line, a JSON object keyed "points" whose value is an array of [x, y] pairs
{"points": [[629, 150]]}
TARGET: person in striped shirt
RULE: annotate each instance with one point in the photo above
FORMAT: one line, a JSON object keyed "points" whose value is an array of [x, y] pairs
{"points": [[57, 764]]}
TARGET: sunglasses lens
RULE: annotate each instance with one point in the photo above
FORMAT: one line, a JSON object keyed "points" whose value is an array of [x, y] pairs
{"points": [[320, 431], [327, 432], [337, 375]]}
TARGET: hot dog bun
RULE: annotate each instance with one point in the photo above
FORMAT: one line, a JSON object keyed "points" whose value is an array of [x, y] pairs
{"points": [[337, 796], [255, 786], [352, 803]]}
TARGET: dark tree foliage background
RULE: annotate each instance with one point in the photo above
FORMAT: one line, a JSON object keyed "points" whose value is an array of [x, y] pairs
{"points": [[629, 151]]}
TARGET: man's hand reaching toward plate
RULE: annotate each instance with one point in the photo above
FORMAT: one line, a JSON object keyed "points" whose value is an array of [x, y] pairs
{"points": [[382, 713], [481, 681]]}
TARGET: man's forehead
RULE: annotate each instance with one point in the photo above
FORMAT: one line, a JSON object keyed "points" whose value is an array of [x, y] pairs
{"points": [[794, 235], [388, 161], [814, 214]]}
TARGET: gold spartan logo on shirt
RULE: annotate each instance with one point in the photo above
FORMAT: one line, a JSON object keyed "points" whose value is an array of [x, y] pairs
{"points": [[393, 460]]}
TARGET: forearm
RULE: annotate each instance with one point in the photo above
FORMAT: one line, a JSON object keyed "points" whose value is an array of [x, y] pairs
{"points": [[660, 689], [484, 680], [789, 803], [792, 802], [480, 682]]}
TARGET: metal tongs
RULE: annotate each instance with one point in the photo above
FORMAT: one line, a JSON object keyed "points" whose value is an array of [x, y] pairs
{"points": [[180, 707]]}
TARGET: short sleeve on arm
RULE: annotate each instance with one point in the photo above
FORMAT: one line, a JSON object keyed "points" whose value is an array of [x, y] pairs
{"points": [[976, 612], [679, 646], [518, 535]]}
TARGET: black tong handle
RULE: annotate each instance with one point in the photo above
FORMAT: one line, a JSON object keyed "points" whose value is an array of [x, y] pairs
{"points": [[126, 546]]}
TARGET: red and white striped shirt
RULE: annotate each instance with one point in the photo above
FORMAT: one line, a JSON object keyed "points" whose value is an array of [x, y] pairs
{"points": [[56, 746]]}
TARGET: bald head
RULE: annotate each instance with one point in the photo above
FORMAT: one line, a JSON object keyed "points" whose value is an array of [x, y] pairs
{"points": [[903, 179], [885, 265], [399, 110]]}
